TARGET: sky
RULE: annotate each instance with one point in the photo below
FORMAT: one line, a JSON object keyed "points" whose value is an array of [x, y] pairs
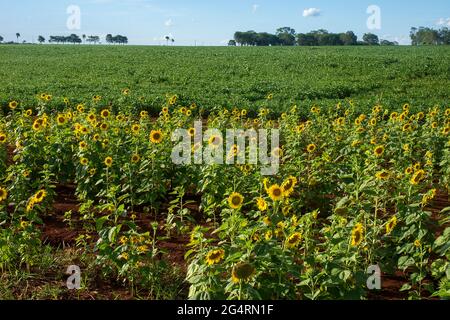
{"points": [[213, 22]]}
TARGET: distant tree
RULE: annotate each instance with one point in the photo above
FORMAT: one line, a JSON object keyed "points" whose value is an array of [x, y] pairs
{"points": [[425, 36], [306, 40], [84, 37], [109, 38], [167, 40], [232, 43], [286, 36], [388, 43], [349, 38], [173, 41], [17, 36], [371, 39], [1, 39], [93, 39], [444, 35], [41, 39]]}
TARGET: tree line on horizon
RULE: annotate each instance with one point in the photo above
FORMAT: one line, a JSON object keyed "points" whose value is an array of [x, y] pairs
{"points": [[75, 39], [287, 36]]}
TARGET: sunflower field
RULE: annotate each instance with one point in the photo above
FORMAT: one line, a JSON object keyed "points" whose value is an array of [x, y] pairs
{"points": [[91, 182]]}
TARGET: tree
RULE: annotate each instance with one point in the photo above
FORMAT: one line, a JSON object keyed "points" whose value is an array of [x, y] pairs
{"points": [[425, 36], [173, 41], [371, 39], [109, 38], [286, 36], [1, 39], [93, 39], [18, 36], [349, 38], [444, 35], [388, 43], [41, 39], [232, 43], [84, 37], [167, 40]]}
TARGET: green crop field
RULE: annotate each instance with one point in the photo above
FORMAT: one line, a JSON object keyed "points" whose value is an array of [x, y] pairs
{"points": [[228, 77]]}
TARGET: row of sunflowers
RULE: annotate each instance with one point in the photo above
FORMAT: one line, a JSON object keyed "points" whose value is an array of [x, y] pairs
{"points": [[353, 190]]}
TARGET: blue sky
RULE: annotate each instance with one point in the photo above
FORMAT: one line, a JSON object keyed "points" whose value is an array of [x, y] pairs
{"points": [[213, 22]]}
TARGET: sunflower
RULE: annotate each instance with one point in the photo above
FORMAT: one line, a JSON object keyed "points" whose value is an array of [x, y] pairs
{"points": [[215, 141], [91, 117], [242, 272], [390, 225], [80, 108], [417, 177], [293, 240], [84, 161], [235, 200], [289, 185], [108, 162], [144, 114], [135, 128], [215, 256], [2, 137], [446, 130], [357, 235], [417, 243], [311, 148], [407, 127], [378, 151], [409, 170], [39, 196], [173, 100], [191, 132], [82, 145], [165, 110], [13, 105], [96, 98], [103, 126], [36, 125], [126, 92], [3, 194], [270, 96], [262, 204], [61, 119], [275, 192], [382, 175], [135, 158], [105, 113], [29, 112], [156, 136]]}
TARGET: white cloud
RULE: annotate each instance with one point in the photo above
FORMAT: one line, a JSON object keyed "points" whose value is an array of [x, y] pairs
{"points": [[311, 12], [255, 8], [168, 23], [443, 22]]}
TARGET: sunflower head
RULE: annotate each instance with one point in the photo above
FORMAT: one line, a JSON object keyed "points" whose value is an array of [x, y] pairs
{"points": [[108, 162], [293, 240], [3, 194], [135, 158], [378, 151], [262, 204], [235, 200], [215, 141], [289, 185], [156, 136], [357, 235], [13, 105], [215, 256], [417, 177], [2, 137], [275, 192], [311, 148], [39, 196], [390, 225], [242, 272]]}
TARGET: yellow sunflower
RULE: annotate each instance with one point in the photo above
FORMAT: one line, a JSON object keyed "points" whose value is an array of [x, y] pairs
{"points": [[156, 136], [3, 194], [311, 148], [357, 235], [215, 141], [13, 105], [108, 162], [215, 256], [390, 225], [275, 192], [378, 151], [289, 185], [293, 240], [2, 137], [39, 196], [235, 200], [417, 177], [262, 204], [135, 158], [105, 113]]}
